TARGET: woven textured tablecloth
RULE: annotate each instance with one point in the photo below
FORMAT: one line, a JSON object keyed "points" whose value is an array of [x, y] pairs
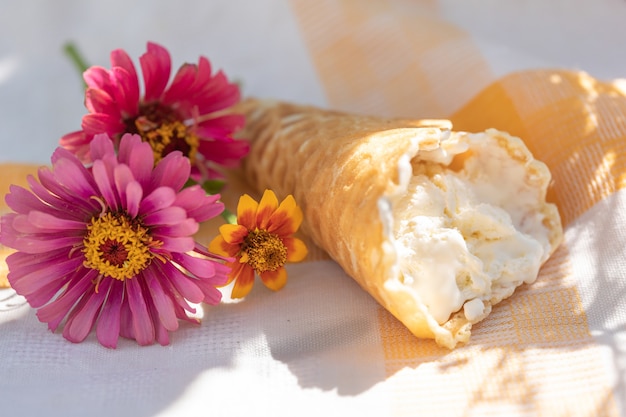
{"points": [[548, 72]]}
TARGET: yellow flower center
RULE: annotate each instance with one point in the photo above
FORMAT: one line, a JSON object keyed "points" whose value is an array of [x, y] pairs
{"points": [[117, 247], [263, 251], [167, 137], [163, 128]]}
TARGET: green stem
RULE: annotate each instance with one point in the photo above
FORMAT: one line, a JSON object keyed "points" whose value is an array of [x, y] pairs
{"points": [[76, 57], [229, 217]]}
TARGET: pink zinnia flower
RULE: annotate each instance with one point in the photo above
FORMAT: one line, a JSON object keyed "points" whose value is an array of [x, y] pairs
{"points": [[186, 116], [111, 246]]}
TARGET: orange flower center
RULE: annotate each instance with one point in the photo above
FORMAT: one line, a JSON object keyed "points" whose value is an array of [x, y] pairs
{"points": [[264, 251]]}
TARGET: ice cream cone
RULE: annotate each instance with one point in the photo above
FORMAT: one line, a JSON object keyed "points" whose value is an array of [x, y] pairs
{"points": [[438, 226]]}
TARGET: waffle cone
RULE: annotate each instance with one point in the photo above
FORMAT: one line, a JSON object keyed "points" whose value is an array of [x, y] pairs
{"points": [[366, 184]]}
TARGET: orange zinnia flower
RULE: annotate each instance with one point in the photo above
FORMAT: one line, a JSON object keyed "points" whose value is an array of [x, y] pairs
{"points": [[261, 241]]}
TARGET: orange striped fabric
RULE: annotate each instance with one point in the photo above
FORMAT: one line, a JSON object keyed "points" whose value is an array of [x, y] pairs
{"points": [[401, 45], [569, 120], [399, 58]]}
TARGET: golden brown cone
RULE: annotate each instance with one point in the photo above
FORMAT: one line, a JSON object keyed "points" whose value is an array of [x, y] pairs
{"points": [[345, 170]]}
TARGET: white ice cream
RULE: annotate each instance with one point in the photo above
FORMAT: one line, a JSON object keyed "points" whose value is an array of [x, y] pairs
{"points": [[464, 237]]}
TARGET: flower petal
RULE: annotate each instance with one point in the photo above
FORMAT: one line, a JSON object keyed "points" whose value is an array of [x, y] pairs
{"points": [[119, 58], [176, 244], [51, 184], [20, 200], [167, 216], [126, 91], [43, 244], [162, 303], [204, 74], [267, 206], [122, 177], [212, 295], [83, 316], [246, 212], [161, 334], [200, 267], [296, 249], [127, 329], [180, 303], [143, 327], [244, 281], [133, 193], [78, 143], [95, 123], [159, 199], [54, 312], [185, 286], [105, 184], [286, 219], [98, 77], [22, 225], [198, 204], [29, 283], [46, 293], [99, 101], [23, 201], [187, 227], [219, 246], [224, 152], [108, 327], [180, 89], [74, 208], [156, 67], [138, 156], [220, 126], [233, 233], [22, 263], [274, 280], [101, 145], [216, 93], [172, 171], [72, 175], [48, 222]]}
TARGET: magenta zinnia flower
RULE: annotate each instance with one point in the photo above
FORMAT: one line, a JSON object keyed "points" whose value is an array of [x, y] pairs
{"points": [[187, 116], [111, 246]]}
